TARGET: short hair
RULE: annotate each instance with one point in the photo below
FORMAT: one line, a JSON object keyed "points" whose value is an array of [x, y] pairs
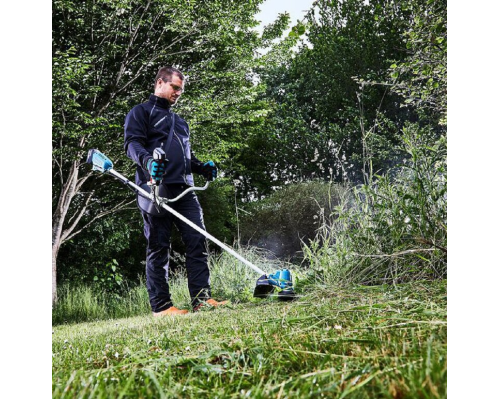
{"points": [[165, 73]]}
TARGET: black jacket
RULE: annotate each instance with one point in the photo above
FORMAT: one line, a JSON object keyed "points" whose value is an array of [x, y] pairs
{"points": [[147, 126]]}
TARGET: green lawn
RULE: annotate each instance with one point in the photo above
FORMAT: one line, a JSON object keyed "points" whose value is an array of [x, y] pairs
{"points": [[362, 342]]}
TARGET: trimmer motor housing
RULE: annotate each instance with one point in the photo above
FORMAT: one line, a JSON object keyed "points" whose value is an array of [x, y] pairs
{"points": [[280, 281]]}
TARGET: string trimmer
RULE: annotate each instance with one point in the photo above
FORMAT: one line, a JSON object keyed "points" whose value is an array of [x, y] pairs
{"points": [[280, 281]]}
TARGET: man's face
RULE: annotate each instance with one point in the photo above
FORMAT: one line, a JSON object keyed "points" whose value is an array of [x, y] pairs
{"points": [[170, 90]]}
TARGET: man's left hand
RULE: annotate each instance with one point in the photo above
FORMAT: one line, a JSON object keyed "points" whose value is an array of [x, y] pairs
{"points": [[209, 171]]}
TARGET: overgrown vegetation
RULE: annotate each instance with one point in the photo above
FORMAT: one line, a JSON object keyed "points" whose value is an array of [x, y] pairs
{"points": [[392, 229]]}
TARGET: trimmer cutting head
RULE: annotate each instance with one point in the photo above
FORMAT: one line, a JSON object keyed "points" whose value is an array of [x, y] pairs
{"points": [[280, 281]]}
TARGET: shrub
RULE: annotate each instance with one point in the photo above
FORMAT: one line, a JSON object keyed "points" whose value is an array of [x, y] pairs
{"points": [[282, 221]]}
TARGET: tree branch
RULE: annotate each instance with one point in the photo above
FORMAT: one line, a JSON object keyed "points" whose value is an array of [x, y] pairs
{"points": [[77, 217], [120, 207]]}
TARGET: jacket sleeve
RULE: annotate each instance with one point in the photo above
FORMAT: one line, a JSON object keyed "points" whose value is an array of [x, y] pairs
{"points": [[136, 135]]}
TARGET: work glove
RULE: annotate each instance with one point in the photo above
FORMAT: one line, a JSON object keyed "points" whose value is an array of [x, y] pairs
{"points": [[209, 171], [156, 169]]}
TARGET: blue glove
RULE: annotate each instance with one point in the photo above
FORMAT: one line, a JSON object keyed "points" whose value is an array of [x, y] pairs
{"points": [[156, 169], [209, 171]]}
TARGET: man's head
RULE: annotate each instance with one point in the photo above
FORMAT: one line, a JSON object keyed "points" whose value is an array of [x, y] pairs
{"points": [[169, 84]]}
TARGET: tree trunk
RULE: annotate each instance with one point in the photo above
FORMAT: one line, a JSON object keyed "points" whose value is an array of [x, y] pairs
{"points": [[69, 189], [55, 250], [66, 195]]}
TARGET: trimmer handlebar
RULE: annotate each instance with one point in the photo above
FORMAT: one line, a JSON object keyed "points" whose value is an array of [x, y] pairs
{"points": [[101, 163], [159, 154]]}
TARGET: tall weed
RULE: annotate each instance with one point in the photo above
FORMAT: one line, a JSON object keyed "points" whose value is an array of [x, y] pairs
{"points": [[84, 302], [392, 229]]}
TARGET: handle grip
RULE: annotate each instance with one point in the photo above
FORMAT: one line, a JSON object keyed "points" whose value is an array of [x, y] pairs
{"points": [[159, 154]]}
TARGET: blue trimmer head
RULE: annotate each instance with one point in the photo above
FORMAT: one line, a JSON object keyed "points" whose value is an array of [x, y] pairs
{"points": [[280, 281]]}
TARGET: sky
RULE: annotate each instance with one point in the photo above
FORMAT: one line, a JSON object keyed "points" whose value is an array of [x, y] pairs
{"points": [[271, 8]]}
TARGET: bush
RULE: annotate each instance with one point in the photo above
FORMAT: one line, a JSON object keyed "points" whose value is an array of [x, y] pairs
{"points": [[290, 216]]}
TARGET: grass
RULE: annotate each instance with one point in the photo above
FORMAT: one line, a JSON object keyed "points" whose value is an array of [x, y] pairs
{"points": [[357, 342], [88, 303]]}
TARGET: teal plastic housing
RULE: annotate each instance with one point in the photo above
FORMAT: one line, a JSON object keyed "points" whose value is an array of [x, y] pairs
{"points": [[99, 161], [281, 279]]}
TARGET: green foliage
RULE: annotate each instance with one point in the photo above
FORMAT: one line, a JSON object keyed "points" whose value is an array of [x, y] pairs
{"points": [[118, 237], [276, 29], [421, 77], [337, 116], [108, 279], [392, 229], [325, 123], [349, 39]]}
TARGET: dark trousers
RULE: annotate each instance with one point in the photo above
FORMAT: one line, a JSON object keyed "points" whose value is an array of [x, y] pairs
{"points": [[158, 230]]}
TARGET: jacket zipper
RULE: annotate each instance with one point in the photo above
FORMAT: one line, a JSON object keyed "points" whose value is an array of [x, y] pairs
{"points": [[183, 156]]}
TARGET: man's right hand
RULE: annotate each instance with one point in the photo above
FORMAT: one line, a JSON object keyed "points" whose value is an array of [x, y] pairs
{"points": [[156, 169]]}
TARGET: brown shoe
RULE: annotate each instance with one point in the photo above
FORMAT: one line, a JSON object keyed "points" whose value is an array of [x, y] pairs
{"points": [[210, 303], [170, 311]]}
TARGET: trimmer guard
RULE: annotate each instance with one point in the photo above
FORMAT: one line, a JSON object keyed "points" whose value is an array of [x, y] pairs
{"points": [[263, 288], [280, 281]]}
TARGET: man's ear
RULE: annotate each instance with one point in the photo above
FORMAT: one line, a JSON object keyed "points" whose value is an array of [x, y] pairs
{"points": [[157, 83]]}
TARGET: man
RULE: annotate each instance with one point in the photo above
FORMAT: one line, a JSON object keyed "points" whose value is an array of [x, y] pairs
{"points": [[147, 126]]}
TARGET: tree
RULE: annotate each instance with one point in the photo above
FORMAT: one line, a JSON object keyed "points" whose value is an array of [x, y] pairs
{"points": [[335, 115], [421, 77], [105, 56]]}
